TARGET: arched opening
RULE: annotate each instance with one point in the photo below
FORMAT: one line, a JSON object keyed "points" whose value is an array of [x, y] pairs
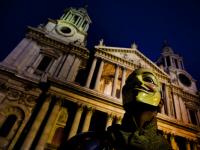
{"points": [[7, 125]]}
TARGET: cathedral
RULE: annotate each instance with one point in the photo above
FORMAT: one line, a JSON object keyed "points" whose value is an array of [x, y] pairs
{"points": [[52, 87]]}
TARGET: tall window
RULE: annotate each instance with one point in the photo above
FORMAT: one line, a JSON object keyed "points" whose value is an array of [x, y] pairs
{"points": [[193, 117], [168, 61], [44, 63], [176, 63], [7, 125], [75, 19]]}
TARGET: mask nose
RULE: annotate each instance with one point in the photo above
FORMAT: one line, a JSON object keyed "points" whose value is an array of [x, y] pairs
{"points": [[138, 80]]}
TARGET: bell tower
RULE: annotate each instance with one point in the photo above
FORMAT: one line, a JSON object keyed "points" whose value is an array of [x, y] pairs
{"points": [[173, 64], [56, 49], [72, 27]]}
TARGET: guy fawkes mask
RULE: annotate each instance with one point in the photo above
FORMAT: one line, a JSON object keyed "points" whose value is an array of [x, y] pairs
{"points": [[142, 86]]}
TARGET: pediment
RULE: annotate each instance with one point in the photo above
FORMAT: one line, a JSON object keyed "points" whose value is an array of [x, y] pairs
{"points": [[132, 55]]}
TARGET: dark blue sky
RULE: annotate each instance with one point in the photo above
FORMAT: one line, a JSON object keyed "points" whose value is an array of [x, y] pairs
{"points": [[119, 23]]}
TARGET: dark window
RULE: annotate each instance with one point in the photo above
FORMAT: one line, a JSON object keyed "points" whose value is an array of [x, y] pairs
{"points": [[181, 64], [7, 125], [65, 30], [101, 118], [81, 76], [184, 80], [58, 136], [44, 63], [163, 61], [75, 19], [118, 93], [84, 24], [176, 63], [168, 61], [193, 117]]}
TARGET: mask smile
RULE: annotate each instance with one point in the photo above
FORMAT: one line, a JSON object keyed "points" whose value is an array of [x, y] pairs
{"points": [[143, 89]]}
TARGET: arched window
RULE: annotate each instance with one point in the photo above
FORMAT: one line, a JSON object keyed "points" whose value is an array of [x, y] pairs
{"points": [[7, 125]]}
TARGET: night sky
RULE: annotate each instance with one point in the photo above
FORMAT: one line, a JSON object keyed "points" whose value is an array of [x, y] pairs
{"points": [[118, 22]]}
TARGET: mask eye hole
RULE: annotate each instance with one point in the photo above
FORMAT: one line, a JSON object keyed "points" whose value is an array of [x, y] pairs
{"points": [[148, 79]]}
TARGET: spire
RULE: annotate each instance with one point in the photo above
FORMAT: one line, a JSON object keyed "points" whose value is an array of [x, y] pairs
{"points": [[166, 48], [134, 45]]}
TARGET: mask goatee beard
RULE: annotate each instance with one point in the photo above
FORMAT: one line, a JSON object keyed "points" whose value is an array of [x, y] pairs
{"points": [[141, 112]]}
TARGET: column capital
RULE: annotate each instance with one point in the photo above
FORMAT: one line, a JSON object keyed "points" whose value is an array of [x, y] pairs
{"points": [[118, 119], [80, 106], [110, 116], [90, 109]]}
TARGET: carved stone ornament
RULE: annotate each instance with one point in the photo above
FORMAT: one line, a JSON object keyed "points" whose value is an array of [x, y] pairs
{"points": [[13, 95], [30, 100], [63, 116]]}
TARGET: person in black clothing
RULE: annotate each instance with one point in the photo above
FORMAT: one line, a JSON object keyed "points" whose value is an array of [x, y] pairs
{"points": [[138, 131]]}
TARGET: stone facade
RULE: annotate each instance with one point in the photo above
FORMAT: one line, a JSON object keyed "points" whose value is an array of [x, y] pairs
{"points": [[52, 88]]}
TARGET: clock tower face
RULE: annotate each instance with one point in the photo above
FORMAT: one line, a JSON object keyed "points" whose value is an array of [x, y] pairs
{"points": [[184, 80], [65, 30]]}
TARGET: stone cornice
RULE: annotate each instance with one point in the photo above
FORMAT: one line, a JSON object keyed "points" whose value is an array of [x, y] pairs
{"points": [[81, 93], [42, 37], [100, 51], [175, 127]]}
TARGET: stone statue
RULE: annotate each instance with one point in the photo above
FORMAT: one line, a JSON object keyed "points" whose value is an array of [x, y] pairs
{"points": [[138, 131]]}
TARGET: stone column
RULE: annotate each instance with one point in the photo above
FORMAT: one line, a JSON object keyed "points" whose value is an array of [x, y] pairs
{"points": [[73, 70], [114, 87], [37, 61], [61, 63], [170, 58], [99, 75], [189, 118], [46, 132], [36, 125], [76, 122], [165, 135], [64, 71], [188, 145], [168, 100], [109, 120], [87, 120], [19, 50], [123, 81], [14, 140], [89, 78], [195, 146], [183, 111], [26, 55], [198, 115], [173, 143], [54, 66], [165, 62], [177, 107]]}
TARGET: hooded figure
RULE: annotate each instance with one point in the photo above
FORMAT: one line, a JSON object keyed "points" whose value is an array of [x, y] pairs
{"points": [[138, 131]]}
